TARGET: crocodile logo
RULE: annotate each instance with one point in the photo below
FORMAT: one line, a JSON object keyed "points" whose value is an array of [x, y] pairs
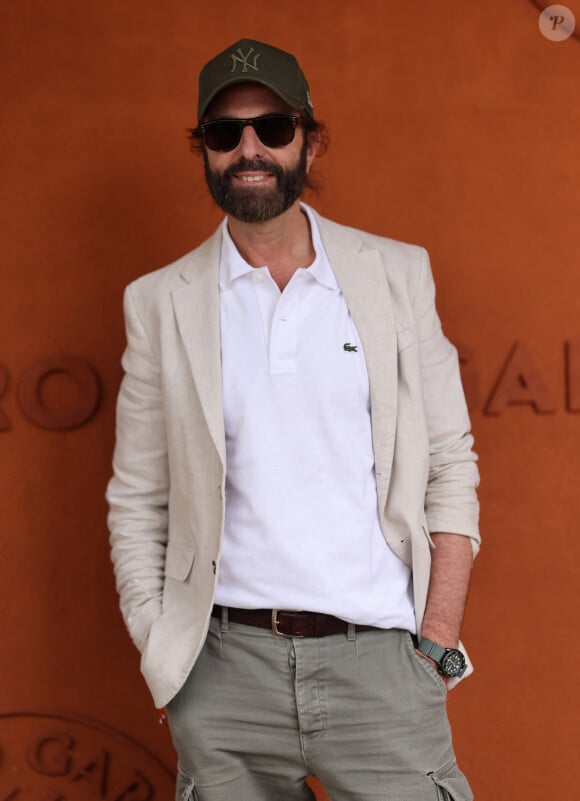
{"points": [[350, 348]]}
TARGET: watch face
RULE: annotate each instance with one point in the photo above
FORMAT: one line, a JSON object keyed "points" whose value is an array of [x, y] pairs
{"points": [[453, 663]]}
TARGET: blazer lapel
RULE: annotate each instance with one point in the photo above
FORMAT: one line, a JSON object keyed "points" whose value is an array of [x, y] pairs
{"points": [[361, 276], [196, 307]]}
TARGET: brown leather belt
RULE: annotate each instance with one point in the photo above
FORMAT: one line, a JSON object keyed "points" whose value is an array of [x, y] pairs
{"points": [[288, 624]]}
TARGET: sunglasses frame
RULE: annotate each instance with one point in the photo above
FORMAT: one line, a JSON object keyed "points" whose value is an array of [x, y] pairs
{"points": [[243, 123]]}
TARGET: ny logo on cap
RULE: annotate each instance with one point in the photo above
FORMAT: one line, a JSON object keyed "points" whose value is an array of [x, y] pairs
{"points": [[244, 60]]}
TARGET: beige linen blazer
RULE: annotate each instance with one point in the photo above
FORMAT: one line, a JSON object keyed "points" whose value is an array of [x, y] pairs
{"points": [[167, 494]]}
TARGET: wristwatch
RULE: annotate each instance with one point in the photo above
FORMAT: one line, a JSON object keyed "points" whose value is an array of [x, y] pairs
{"points": [[450, 661]]}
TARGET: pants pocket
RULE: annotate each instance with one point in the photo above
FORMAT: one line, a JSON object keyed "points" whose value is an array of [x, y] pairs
{"points": [[425, 666], [185, 787], [451, 784]]}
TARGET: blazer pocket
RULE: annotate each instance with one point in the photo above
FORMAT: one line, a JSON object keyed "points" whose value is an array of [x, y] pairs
{"points": [[178, 560]]}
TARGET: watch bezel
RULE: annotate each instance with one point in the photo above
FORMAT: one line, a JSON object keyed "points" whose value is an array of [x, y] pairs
{"points": [[452, 654]]}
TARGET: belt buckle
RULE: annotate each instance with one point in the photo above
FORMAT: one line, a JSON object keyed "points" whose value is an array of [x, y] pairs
{"points": [[275, 624]]}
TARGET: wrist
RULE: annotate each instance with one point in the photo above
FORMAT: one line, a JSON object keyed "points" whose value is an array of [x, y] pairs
{"points": [[448, 661], [440, 634]]}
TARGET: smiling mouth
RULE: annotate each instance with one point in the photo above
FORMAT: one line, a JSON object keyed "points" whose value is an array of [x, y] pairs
{"points": [[255, 178]]}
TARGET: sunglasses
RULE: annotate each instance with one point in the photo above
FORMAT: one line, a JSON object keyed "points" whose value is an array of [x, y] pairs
{"points": [[273, 130]]}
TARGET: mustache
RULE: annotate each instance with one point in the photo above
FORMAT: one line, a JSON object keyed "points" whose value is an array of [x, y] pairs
{"points": [[253, 164]]}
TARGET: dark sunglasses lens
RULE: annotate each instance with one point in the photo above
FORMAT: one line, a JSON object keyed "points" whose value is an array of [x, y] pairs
{"points": [[275, 131], [222, 134]]}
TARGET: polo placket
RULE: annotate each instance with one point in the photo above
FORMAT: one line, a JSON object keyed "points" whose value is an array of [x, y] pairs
{"points": [[279, 311]]}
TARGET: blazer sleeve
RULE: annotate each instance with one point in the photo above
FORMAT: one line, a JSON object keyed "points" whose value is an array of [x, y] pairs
{"points": [[451, 502], [138, 492]]}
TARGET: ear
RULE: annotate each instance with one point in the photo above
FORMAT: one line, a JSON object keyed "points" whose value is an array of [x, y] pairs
{"points": [[313, 148]]}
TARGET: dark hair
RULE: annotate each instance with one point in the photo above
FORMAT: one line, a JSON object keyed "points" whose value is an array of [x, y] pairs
{"points": [[315, 130]]}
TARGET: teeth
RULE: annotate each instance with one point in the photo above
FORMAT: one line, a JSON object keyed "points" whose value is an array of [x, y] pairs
{"points": [[252, 178]]}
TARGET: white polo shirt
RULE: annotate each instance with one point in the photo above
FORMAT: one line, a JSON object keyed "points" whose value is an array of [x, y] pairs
{"points": [[302, 525]]}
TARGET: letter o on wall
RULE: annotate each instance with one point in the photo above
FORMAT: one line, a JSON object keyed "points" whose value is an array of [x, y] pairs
{"points": [[76, 411]]}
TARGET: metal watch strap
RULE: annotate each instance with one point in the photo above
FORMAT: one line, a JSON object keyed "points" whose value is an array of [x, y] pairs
{"points": [[432, 650]]}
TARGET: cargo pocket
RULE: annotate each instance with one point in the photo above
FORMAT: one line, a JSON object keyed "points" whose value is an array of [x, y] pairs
{"points": [[451, 784], [185, 787]]}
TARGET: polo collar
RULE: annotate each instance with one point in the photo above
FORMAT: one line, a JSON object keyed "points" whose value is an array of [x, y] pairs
{"points": [[233, 265]]}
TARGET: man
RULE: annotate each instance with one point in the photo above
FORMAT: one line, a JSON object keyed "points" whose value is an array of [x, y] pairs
{"points": [[292, 435]]}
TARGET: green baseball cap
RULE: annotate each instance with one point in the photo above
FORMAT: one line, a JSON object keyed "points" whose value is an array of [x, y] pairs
{"points": [[248, 60]]}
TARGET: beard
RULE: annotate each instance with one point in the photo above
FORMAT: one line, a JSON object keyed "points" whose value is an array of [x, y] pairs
{"points": [[255, 204]]}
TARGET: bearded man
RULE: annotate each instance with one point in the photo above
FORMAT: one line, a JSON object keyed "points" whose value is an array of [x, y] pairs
{"points": [[293, 512]]}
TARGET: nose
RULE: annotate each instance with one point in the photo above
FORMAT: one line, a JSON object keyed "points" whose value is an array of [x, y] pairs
{"points": [[250, 145]]}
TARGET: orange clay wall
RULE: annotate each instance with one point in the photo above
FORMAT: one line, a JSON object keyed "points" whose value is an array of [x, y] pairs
{"points": [[454, 125]]}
